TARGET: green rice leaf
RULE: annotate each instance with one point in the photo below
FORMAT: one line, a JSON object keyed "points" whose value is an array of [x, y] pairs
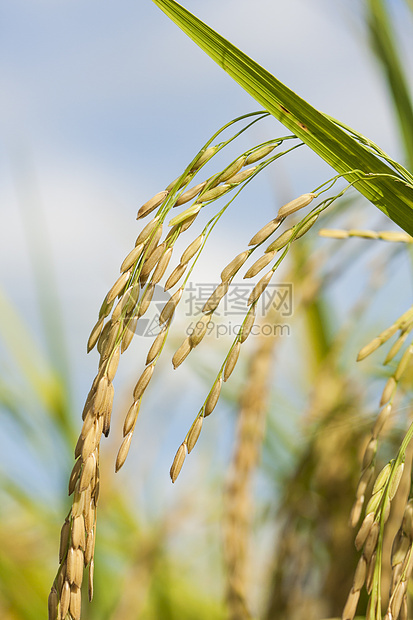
{"points": [[373, 178]]}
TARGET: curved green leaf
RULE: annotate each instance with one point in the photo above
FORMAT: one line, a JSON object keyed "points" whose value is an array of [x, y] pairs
{"points": [[384, 188]]}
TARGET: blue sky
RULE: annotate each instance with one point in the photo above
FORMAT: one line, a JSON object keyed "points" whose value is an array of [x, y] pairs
{"points": [[103, 103]]}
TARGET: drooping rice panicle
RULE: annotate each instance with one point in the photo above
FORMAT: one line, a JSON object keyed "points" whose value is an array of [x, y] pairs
{"points": [[404, 323], [128, 299], [386, 235]]}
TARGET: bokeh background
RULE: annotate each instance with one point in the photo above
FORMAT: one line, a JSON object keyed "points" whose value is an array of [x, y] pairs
{"points": [[101, 106]]}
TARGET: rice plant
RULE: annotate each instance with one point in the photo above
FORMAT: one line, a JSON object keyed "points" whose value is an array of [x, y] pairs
{"points": [[336, 477]]}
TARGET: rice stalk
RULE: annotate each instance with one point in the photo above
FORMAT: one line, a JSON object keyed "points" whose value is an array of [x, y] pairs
{"points": [[238, 505]]}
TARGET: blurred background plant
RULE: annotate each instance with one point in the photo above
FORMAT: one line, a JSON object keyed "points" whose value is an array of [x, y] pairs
{"points": [[185, 552]]}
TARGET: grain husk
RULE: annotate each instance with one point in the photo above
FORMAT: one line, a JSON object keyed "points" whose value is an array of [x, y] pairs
{"points": [[152, 204], [232, 360], [143, 382], [194, 433], [182, 352], [123, 452], [265, 232], [178, 461], [175, 276], [231, 269], [213, 397]]}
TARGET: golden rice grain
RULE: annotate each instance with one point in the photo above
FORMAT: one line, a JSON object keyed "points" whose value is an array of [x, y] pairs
{"points": [[92, 438], [123, 452], [143, 381], [280, 242], [369, 348], [78, 533], [183, 182], [131, 417], [265, 232], [373, 503], [396, 347], [241, 176], [356, 511], [388, 391], [105, 308], [146, 300], [131, 258], [232, 170], [232, 360], [100, 394], [248, 324], [118, 287], [151, 261], [192, 249], [175, 276], [404, 362], [360, 574], [94, 334], [64, 540], [199, 330], [107, 409], [128, 334], [364, 234], [231, 269], [306, 227], [214, 299], [395, 481], [178, 461], [350, 607], [89, 515], [153, 241], [70, 565], [364, 530], [194, 433], [169, 308], [260, 153], [73, 478], [156, 346], [204, 157], [382, 478], [75, 602], [182, 352], [147, 230], [161, 266], [394, 235], [295, 205], [79, 446], [214, 193], [106, 422], [189, 194], [213, 397], [381, 420], [90, 547], [52, 604], [152, 204], [64, 600], [185, 215], [77, 581], [371, 541], [103, 336], [333, 233], [110, 340], [88, 471], [369, 453], [397, 599], [113, 364], [259, 264], [260, 287]]}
